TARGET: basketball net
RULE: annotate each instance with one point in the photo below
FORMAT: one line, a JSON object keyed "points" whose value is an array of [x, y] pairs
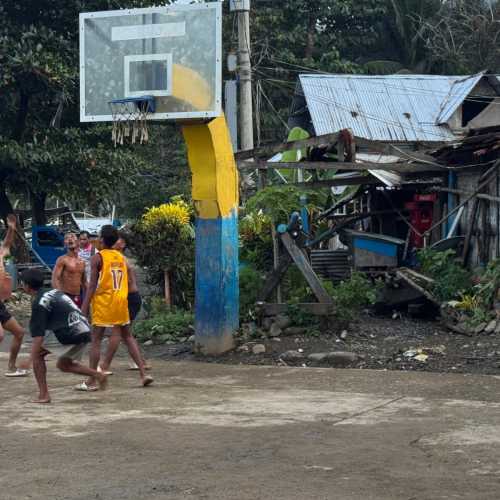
{"points": [[130, 120]]}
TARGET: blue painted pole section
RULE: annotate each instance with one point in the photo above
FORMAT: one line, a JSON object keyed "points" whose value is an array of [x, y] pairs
{"points": [[452, 181], [217, 283]]}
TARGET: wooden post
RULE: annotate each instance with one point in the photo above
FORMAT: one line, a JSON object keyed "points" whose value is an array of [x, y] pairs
{"points": [[307, 271], [167, 289], [276, 260]]}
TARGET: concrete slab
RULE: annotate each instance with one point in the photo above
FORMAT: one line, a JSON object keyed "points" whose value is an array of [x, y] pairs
{"points": [[208, 431]]}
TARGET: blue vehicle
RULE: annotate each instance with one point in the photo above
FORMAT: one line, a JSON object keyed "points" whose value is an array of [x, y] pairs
{"points": [[47, 243]]}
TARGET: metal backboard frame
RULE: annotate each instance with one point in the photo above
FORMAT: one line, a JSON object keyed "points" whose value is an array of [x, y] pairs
{"points": [[152, 31]]}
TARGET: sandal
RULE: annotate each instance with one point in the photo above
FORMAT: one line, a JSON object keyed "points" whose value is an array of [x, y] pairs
{"points": [[104, 372], [17, 373], [83, 387]]}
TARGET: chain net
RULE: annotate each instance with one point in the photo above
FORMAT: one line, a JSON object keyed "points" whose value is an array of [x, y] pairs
{"points": [[130, 120]]}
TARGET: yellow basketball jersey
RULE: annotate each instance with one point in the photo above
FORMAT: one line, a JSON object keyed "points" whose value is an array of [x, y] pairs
{"points": [[110, 301]]}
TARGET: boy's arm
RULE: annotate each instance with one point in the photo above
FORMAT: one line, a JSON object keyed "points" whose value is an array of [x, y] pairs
{"points": [[11, 231], [132, 277], [83, 284], [95, 269], [56, 280]]}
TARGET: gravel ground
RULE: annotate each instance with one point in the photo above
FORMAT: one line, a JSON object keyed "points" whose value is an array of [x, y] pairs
{"points": [[381, 343]]}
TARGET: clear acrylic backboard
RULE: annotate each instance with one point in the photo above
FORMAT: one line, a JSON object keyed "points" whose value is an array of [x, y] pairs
{"points": [[172, 53]]}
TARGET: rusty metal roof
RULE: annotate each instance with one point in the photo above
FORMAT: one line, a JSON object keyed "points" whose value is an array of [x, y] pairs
{"points": [[402, 108]]}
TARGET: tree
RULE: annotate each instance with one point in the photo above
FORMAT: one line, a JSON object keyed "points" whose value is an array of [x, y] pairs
{"points": [[300, 36], [464, 36], [44, 150]]}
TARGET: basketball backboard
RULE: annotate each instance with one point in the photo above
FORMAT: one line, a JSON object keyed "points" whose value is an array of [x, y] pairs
{"points": [[172, 53]]}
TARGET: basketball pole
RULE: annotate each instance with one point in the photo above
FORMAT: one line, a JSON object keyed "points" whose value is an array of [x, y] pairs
{"points": [[216, 197]]}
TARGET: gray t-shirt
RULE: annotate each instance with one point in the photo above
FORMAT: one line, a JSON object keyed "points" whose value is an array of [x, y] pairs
{"points": [[54, 310]]}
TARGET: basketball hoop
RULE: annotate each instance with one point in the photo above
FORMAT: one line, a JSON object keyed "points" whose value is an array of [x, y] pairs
{"points": [[130, 118]]}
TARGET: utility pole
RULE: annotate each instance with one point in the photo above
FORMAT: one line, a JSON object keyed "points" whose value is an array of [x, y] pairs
{"points": [[242, 9]]}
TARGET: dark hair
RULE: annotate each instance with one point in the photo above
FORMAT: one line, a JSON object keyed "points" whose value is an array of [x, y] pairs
{"points": [[33, 278], [84, 233], [109, 235], [124, 236]]}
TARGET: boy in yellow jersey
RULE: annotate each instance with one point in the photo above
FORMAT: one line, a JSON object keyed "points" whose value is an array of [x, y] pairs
{"points": [[107, 295]]}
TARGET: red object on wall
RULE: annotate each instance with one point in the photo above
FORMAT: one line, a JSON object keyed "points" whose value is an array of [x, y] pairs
{"points": [[421, 211]]}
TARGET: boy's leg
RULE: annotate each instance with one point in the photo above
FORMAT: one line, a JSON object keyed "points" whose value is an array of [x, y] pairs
{"points": [[113, 344], [135, 353], [95, 351], [69, 363], [17, 340], [40, 371]]}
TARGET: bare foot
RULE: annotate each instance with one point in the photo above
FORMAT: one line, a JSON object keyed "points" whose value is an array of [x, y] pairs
{"points": [[41, 401], [102, 380], [147, 380]]}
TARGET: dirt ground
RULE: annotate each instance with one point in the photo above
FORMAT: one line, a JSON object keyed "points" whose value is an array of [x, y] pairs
{"points": [[381, 343], [221, 432]]}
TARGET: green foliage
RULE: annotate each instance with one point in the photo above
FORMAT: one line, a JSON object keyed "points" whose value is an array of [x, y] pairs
{"points": [[296, 134], [251, 282], [303, 319], [164, 326], [450, 279], [462, 36], [485, 292], [256, 246], [44, 150], [351, 295], [278, 202]]}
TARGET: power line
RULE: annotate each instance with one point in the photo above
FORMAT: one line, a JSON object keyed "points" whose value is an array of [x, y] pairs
{"points": [[329, 101], [404, 90]]}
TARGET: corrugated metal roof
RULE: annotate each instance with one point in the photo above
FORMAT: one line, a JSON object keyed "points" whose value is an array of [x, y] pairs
{"points": [[381, 108], [458, 92]]}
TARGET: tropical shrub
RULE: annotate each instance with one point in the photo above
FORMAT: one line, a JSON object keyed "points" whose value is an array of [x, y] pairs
{"points": [[164, 326], [451, 280], [163, 242]]}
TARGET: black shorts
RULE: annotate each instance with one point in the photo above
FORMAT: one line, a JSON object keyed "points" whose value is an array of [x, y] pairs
{"points": [[134, 304], [4, 314]]}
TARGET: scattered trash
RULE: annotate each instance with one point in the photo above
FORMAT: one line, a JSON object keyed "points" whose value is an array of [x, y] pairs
{"points": [[410, 354], [421, 357]]}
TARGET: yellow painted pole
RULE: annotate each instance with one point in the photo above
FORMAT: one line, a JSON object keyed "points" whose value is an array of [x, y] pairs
{"points": [[215, 196]]}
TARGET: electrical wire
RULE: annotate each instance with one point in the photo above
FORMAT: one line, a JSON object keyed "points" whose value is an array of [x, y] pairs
{"points": [[329, 101], [272, 107], [403, 90], [373, 79], [408, 155]]}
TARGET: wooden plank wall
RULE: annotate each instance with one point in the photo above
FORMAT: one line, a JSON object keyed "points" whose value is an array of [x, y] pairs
{"points": [[486, 234]]}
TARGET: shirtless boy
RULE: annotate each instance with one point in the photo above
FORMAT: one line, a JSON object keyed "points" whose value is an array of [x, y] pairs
{"points": [[7, 322], [108, 295], [69, 271]]}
